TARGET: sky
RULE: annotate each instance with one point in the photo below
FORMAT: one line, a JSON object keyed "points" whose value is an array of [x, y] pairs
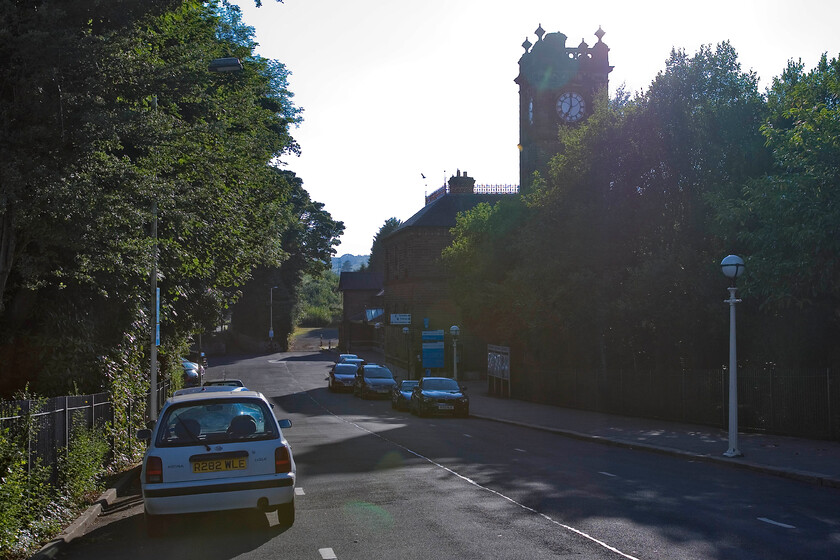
{"points": [[395, 90]]}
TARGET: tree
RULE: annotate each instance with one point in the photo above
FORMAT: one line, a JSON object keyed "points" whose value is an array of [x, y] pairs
{"points": [[788, 220], [376, 262], [142, 124], [611, 261]]}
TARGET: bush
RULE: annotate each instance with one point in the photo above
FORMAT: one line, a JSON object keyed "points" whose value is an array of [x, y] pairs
{"points": [[82, 464], [30, 510]]}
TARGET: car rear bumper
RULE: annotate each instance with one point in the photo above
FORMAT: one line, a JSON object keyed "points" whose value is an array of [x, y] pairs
{"points": [[217, 494]]}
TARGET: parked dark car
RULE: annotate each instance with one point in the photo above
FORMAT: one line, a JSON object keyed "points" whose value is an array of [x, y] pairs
{"points": [[193, 373], [439, 395], [373, 380], [342, 377], [401, 394]]}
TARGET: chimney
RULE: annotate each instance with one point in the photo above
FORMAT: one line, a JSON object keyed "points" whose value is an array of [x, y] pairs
{"points": [[461, 184]]}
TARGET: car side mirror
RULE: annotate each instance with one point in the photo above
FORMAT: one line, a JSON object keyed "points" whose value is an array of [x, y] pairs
{"points": [[144, 435], [284, 423]]}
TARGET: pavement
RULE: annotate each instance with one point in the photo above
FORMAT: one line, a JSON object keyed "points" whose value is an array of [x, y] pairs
{"points": [[811, 461]]}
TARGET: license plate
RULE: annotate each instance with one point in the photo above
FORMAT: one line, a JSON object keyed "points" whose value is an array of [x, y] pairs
{"points": [[446, 407], [216, 465]]}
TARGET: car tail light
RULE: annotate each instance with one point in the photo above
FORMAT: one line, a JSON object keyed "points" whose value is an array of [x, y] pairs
{"points": [[282, 460], [154, 470]]}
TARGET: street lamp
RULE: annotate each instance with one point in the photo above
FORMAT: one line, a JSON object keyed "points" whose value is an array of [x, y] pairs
{"points": [[224, 65], [405, 331], [218, 65], [271, 314], [732, 267], [454, 331]]}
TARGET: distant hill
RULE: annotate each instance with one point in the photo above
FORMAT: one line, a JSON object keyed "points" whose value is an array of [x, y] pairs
{"points": [[348, 263]]}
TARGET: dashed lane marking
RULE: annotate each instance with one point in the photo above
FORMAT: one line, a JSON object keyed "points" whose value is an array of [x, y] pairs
{"points": [[477, 485], [607, 474], [776, 523], [327, 554], [299, 491]]}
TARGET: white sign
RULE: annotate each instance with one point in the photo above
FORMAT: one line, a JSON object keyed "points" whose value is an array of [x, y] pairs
{"points": [[400, 318]]}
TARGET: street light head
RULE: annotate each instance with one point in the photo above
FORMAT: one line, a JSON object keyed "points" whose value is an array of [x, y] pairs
{"points": [[454, 330], [732, 267], [224, 65]]}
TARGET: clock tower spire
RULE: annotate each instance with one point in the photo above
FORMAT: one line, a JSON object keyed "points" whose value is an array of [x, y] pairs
{"points": [[557, 87]]}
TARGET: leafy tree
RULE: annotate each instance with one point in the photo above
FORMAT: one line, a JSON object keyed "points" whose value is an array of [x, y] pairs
{"points": [[788, 222], [376, 262], [611, 261], [308, 242], [319, 302], [143, 124]]}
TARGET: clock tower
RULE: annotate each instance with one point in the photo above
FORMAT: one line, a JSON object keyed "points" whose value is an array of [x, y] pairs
{"points": [[557, 87]]}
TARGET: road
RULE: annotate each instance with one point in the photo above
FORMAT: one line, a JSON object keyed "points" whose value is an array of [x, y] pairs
{"points": [[377, 483]]}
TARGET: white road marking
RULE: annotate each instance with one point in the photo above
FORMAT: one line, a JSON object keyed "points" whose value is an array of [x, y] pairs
{"points": [[299, 491], [327, 553], [467, 435], [607, 474], [776, 523], [520, 450], [474, 483]]}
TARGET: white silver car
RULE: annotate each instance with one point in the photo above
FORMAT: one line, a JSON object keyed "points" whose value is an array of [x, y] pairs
{"points": [[217, 450]]}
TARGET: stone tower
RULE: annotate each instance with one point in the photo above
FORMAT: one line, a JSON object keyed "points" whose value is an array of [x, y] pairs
{"points": [[557, 87]]}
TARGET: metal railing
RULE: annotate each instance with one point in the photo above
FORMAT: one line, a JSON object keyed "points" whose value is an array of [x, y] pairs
{"points": [[50, 423]]}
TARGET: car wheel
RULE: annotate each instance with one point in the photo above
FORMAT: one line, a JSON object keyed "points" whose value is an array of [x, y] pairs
{"points": [[155, 526], [286, 514], [421, 411], [393, 404]]}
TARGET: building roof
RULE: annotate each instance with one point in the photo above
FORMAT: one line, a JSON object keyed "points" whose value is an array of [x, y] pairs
{"points": [[361, 281], [442, 211]]}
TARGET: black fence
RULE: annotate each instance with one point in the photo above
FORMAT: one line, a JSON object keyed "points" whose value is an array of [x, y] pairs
{"points": [[770, 400], [50, 423]]}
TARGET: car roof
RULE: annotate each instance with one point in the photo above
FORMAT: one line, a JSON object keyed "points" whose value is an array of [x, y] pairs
{"points": [[208, 389], [221, 393], [225, 382], [346, 365]]}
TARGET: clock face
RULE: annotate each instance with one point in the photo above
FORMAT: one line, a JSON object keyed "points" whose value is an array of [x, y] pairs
{"points": [[570, 106]]}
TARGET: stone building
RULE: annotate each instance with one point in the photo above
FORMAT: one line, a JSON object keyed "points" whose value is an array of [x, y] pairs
{"points": [[558, 86]]}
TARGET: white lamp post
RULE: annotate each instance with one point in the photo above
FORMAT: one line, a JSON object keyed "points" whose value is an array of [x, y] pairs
{"points": [[454, 331], [732, 267], [405, 331]]}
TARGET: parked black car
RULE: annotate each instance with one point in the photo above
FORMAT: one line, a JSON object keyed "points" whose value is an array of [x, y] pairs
{"points": [[439, 395], [373, 380], [401, 394], [342, 377]]}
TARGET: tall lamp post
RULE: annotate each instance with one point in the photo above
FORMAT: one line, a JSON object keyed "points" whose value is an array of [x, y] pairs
{"points": [[454, 331], [405, 331], [732, 267], [217, 65]]}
